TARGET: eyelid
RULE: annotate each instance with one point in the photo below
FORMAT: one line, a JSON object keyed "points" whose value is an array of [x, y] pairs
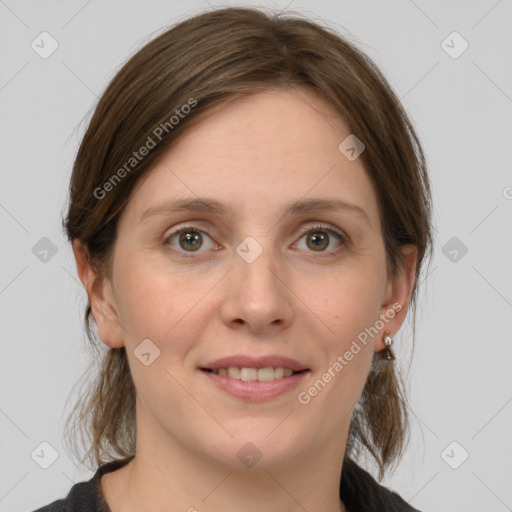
{"points": [[339, 234], [184, 228], [323, 227]]}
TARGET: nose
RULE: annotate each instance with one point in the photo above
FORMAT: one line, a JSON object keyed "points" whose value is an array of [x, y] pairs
{"points": [[258, 298]]}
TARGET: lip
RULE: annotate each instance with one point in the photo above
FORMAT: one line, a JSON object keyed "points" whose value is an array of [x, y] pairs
{"points": [[255, 391], [256, 362]]}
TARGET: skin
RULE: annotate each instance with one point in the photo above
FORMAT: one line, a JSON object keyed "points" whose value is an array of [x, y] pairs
{"points": [[259, 153]]}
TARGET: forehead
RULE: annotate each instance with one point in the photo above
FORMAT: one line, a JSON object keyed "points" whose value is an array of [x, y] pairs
{"points": [[279, 123], [267, 148]]}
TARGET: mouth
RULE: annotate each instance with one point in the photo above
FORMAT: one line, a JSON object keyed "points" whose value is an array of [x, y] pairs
{"points": [[255, 379], [248, 374], [244, 386]]}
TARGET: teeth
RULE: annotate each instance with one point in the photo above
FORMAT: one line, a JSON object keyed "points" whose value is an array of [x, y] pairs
{"points": [[260, 374], [266, 374], [234, 372], [247, 374]]}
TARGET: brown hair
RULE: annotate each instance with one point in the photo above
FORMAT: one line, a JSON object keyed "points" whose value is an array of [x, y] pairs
{"points": [[207, 61]]}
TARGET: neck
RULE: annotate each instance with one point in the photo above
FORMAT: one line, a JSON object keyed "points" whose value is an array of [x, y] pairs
{"points": [[166, 473]]}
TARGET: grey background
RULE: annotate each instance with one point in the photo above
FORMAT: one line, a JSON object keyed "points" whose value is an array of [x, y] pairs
{"points": [[460, 379]]}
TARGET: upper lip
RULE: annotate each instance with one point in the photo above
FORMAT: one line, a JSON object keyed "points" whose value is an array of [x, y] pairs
{"points": [[242, 361]]}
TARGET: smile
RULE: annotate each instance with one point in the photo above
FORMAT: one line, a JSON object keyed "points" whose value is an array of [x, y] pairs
{"points": [[260, 374], [250, 385]]}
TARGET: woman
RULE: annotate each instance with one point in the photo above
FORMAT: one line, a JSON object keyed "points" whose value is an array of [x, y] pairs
{"points": [[249, 212]]}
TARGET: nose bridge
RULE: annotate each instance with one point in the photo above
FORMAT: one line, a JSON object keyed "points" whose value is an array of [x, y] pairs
{"points": [[258, 293], [255, 264]]}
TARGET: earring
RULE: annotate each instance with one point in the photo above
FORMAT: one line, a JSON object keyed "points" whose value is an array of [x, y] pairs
{"points": [[387, 353]]}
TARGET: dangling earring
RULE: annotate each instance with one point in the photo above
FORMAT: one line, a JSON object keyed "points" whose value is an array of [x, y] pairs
{"points": [[387, 353]]}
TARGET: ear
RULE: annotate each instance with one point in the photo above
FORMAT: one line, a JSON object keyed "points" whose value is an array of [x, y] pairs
{"points": [[100, 293], [398, 295]]}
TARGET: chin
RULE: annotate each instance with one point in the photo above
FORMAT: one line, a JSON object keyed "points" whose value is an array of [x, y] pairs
{"points": [[256, 446]]}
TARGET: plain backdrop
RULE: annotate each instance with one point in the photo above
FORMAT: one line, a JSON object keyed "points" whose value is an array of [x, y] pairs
{"points": [[457, 89]]}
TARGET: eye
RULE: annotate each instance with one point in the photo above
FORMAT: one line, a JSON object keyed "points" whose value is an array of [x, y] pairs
{"points": [[319, 237], [188, 239]]}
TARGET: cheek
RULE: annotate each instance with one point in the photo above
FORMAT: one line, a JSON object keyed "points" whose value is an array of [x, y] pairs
{"points": [[153, 304], [151, 298], [351, 308], [146, 307], [352, 305]]}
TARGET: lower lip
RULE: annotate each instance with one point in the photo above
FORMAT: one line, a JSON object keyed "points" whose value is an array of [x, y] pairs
{"points": [[255, 391]]}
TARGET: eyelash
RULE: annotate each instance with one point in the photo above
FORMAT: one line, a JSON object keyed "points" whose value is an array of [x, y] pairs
{"points": [[337, 234], [342, 237]]}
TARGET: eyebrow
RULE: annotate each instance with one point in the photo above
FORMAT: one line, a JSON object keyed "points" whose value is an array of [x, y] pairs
{"points": [[207, 205]]}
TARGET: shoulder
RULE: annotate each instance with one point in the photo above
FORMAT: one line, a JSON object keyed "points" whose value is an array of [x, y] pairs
{"points": [[360, 492], [56, 506], [85, 496], [82, 497]]}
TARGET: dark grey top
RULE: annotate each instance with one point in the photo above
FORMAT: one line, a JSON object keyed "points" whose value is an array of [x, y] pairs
{"points": [[359, 491]]}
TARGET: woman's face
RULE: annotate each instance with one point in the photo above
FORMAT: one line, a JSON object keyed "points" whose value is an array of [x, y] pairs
{"points": [[260, 277]]}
